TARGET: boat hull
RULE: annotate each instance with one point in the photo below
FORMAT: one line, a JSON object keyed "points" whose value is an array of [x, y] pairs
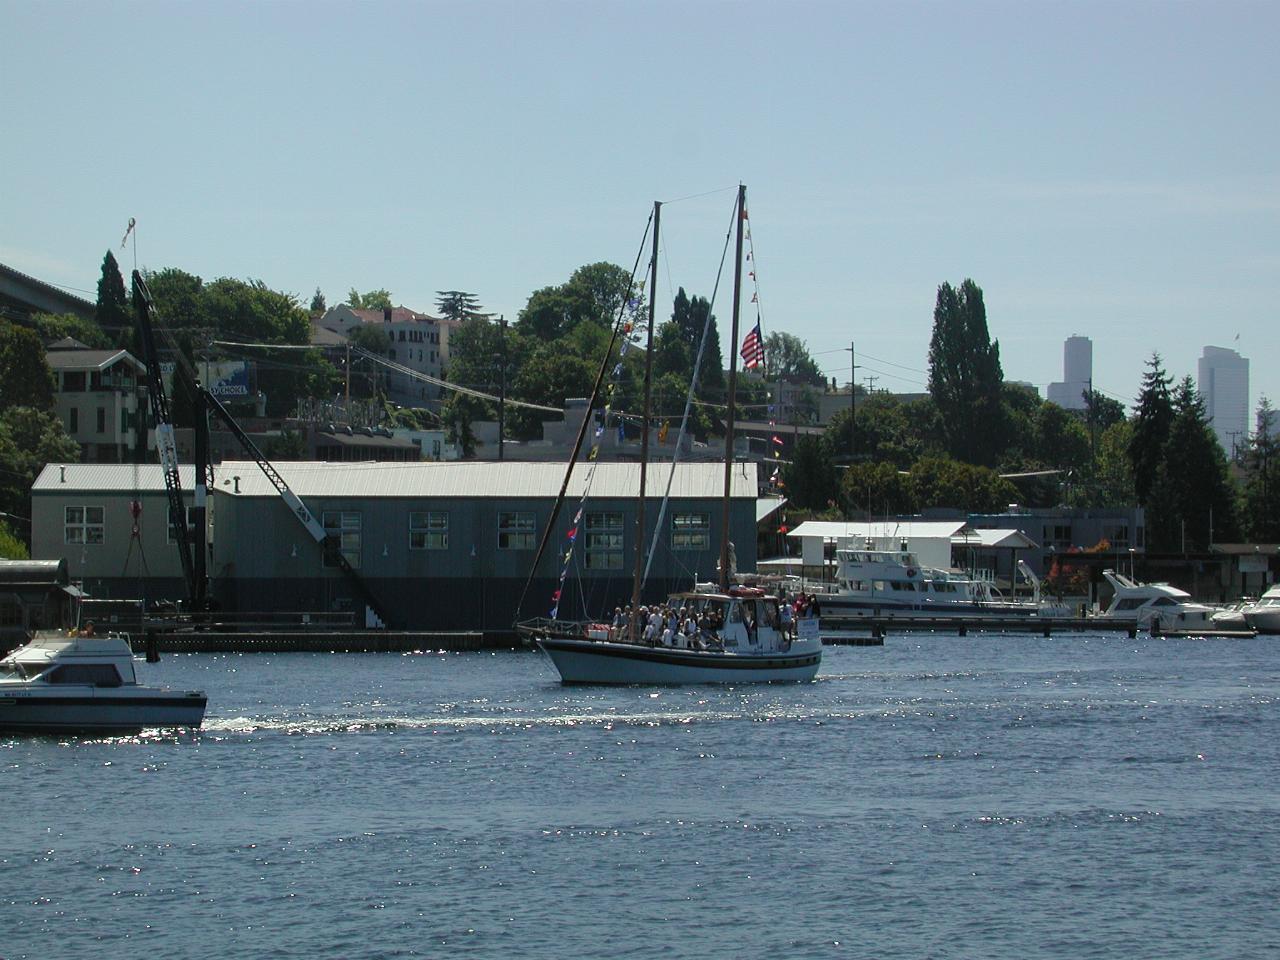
{"points": [[1266, 620], [600, 662], [95, 710]]}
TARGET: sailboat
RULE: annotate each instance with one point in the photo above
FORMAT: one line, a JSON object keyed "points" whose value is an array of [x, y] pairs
{"points": [[713, 633]]}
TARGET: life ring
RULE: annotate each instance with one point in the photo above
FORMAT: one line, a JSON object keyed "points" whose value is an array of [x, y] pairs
{"points": [[911, 571]]}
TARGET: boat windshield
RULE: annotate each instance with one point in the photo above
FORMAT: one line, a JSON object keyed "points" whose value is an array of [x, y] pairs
{"points": [[16, 671]]}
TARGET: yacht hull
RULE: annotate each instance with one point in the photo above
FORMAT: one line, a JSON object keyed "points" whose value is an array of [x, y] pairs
{"points": [[839, 607], [600, 662], [98, 710], [1266, 620]]}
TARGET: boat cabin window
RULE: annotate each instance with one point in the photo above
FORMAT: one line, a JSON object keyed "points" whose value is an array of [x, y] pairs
{"points": [[16, 671], [96, 674], [1130, 603], [1165, 602]]}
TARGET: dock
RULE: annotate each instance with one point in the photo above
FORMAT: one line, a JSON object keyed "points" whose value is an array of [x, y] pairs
{"points": [[871, 631], [321, 641]]}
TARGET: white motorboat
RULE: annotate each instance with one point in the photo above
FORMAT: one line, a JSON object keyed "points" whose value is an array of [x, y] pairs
{"points": [[1154, 606], [892, 583], [1264, 616], [741, 639], [87, 684]]}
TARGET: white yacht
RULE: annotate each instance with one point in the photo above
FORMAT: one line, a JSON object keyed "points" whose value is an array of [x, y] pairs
{"points": [[741, 639], [88, 684], [1154, 605], [1264, 616], [893, 583]]}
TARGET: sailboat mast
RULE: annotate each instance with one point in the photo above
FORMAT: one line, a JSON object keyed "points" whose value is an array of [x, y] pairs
{"points": [[644, 427], [733, 384]]}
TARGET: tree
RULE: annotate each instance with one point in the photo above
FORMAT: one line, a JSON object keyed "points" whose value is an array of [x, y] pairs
{"points": [[1153, 417], [810, 478], [29, 439], [373, 300], [1113, 471], [595, 294], [27, 379], [317, 302], [786, 357], [689, 317], [1100, 411], [112, 313], [876, 490], [965, 377], [1192, 503], [942, 482], [457, 415], [11, 546], [459, 305], [371, 337], [59, 326], [1262, 488]]}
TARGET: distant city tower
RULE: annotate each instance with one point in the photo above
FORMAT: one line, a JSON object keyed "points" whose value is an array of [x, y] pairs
{"points": [[1077, 374], [1224, 384]]}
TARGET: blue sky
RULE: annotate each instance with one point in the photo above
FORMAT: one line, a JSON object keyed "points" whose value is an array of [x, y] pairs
{"points": [[1104, 169]]}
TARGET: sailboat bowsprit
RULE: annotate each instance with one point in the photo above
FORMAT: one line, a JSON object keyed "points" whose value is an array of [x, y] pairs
{"points": [[716, 633]]}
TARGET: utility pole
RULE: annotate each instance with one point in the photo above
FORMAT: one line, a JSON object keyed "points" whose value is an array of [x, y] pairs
{"points": [[871, 384], [502, 383], [853, 404]]}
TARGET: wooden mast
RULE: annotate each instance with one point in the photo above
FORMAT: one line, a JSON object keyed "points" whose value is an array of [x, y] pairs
{"points": [[644, 426], [733, 383]]}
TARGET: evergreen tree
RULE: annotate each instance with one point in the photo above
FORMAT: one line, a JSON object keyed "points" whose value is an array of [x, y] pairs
{"points": [[1193, 499], [965, 377], [459, 305], [1262, 489], [1153, 417], [317, 302], [689, 315], [112, 313]]}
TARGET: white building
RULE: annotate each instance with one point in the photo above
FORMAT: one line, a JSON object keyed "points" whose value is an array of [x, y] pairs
{"points": [[1224, 383], [418, 341], [1077, 374]]}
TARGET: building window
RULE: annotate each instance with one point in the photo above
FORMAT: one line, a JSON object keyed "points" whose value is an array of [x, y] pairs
{"points": [[73, 420], [1117, 534], [344, 527], [515, 531], [84, 525], [604, 541], [73, 382], [102, 419], [428, 531], [172, 534], [691, 531]]}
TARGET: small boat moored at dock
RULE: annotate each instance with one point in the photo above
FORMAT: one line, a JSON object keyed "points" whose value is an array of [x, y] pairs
{"points": [[58, 683]]}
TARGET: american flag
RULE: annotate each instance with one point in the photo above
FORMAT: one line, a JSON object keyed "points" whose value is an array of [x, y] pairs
{"points": [[752, 349]]}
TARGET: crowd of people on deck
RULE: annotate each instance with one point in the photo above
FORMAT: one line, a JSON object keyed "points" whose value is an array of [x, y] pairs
{"points": [[685, 627]]}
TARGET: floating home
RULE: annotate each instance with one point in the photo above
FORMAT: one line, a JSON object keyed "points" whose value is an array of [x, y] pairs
{"points": [[440, 546]]}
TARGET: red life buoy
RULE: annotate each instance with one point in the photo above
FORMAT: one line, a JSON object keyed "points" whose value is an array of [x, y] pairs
{"points": [[911, 571]]}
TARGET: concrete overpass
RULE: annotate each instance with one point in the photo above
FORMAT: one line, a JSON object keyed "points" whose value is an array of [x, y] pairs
{"points": [[21, 297]]}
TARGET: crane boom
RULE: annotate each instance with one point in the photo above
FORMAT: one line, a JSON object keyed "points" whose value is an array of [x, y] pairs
{"points": [[329, 544], [144, 308]]}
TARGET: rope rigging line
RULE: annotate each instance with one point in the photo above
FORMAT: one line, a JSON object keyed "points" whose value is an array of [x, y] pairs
{"points": [[618, 329]]}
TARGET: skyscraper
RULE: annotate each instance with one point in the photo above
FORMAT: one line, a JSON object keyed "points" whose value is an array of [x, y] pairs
{"points": [[1224, 384], [1077, 374]]}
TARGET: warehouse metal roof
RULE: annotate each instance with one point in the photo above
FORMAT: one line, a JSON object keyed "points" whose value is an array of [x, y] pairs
{"points": [[416, 479]]}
